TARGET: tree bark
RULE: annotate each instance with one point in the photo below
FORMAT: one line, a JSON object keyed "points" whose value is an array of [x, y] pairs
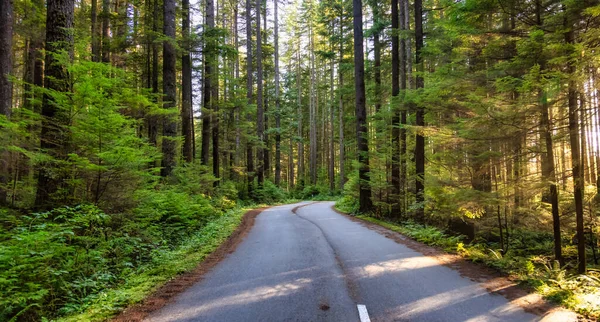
{"points": [[548, 168], [575, 150], [341, 104], [301, 171], [6, 33], [395, 193], [260, 126], [153, 119], [214, 115], [95, 32], [420, 115], [277, 100], [207, 98], [169, 89], [312, 112], [186, 84], [249, 145], [365, 202], [55, 119], [105, 30]]}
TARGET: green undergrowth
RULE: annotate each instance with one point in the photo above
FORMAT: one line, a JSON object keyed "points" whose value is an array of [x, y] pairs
{"points": [[527, 265], [164, 266], [84, 263]]}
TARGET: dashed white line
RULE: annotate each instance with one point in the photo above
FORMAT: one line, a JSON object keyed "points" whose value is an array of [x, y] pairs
{"points": [[362, 313]]}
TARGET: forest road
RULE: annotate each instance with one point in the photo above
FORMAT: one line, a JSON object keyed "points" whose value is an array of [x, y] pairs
{"points": [[305, 262]]}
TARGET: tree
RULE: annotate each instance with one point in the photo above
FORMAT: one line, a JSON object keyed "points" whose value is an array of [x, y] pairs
{"points": [[6, 34], [54, 137], [396, 108], [209, 78], [361, 110], [260, 117], [169, 89], [186, 85], [277, 99], [578, 183], [420, 114], [249, 144]]}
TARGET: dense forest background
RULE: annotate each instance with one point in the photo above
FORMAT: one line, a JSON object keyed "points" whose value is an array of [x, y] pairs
{"points": [[128, 125]]}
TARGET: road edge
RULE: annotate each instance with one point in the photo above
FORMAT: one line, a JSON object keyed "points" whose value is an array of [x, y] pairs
{"points": [[167, 292], [492, 280]]}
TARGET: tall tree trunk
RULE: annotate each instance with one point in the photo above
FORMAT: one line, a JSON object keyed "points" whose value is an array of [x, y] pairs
{"points": [[406, 82], [260, 126], [169, 89], [214, 115], [55, 119], [153, 119], [365, 202], [209, 53], [395, 193], [186, 84], [301, 171], [95, 32], [342, 155], [312, 112], [249, 147], [420, 115], [267, 145], [238, 110], [331, 167], [575, 151], [377, 54], [105, 30], [6, 33], [277, 100], [548, 168]]}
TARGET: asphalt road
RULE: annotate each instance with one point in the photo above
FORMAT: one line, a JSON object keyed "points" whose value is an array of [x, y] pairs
{"points": [[317, 265]]}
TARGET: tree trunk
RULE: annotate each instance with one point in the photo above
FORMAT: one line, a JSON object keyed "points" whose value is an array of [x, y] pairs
{"points": [[260, 126], [365, 202], [341, 104], [186, 84], [153, 119], [249, 147], [214, 107], [300, 180], [396, 50], [105, 30], [266, 143], [95, 32], [408, 84], [277, 100], [207, 105], [169, 89], [420, 115], [6, 33], [55, 119], [331, 167], [312, 112], [238, 110], [548, 168], [575, 151]]}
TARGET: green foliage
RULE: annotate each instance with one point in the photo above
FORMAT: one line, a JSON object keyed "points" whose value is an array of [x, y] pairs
{"points": [[269, 193], [62, 261]]}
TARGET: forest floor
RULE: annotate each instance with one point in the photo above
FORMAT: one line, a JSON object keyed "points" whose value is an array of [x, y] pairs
{"points": [[307, 262]]}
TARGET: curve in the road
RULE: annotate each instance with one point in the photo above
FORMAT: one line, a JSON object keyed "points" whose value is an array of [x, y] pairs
{"points": [[305, 262]]}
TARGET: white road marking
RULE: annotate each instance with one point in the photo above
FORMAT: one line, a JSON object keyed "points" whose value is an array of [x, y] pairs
{"points": [[362, 313]]}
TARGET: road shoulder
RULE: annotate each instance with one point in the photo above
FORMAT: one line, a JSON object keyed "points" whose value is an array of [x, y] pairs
{"points": [[492, 280], [167, 292]]}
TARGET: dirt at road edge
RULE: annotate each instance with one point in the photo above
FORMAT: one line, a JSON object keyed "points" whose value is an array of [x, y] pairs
{"points": [[492, 280], [167, 292]]}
